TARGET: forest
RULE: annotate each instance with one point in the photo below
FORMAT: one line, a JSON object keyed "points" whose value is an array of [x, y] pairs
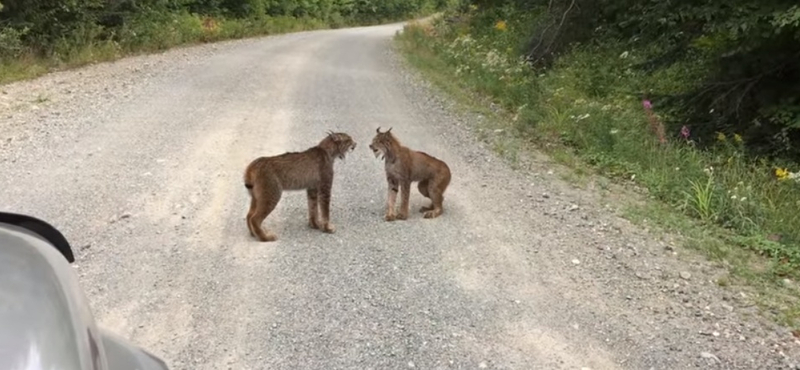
{"points": [[695, 101]]}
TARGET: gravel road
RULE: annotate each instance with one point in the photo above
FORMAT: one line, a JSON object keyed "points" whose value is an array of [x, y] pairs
{"points": [[140, 163]]}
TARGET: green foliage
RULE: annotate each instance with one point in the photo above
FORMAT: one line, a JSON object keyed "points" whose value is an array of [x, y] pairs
{"points": [[44, 23], [741, 56], [11, 44]]}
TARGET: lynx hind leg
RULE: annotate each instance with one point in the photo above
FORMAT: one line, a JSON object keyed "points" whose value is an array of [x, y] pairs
{"points": [[313, 208], [437, 207], [423, 189], [267, 195], [436, 191]]}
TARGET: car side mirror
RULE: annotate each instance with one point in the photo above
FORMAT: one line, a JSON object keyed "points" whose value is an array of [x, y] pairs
{"points": [[42, 229]]}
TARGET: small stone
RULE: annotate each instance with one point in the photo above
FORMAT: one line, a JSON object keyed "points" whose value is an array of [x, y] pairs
{"points": [[546, 196], [573, 208], [124, 216], [716, 333], [685, 275], [576, 262], [709, 356], [482, 365], [411, 364]]}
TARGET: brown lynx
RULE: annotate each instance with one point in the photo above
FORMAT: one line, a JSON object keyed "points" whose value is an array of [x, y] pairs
{"points": [[404, 166], [266, 178]]}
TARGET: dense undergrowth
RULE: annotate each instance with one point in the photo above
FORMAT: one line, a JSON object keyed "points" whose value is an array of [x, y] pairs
{"points": [[631, 103], [37, 36]]}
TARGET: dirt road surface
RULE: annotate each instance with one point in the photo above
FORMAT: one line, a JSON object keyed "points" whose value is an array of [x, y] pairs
{"points": [[140, 163]]}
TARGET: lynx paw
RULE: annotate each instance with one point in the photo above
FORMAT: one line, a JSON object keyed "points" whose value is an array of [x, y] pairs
{"points": [[268, 237]]}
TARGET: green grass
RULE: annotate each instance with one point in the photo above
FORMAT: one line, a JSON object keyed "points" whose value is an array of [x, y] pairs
{"points": [[728, 207]]}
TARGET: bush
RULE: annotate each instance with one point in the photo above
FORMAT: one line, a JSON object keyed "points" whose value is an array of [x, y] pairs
{"points": [[11, 44]]}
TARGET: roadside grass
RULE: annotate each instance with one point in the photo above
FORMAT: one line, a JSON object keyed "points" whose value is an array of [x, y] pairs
{"points": [[154, 32], [728, 207]]}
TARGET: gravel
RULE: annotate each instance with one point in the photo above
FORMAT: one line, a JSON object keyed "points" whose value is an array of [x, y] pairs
{"points": [[139, 163]]}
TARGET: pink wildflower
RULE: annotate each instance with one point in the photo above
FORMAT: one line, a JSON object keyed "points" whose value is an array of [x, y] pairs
{"points": [[685, 132], [655, 124]]}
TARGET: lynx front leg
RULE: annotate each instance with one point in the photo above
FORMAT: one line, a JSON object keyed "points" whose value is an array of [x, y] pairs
{"points": [[250, 214], [325, 205], [391, 197], [405, 188]]}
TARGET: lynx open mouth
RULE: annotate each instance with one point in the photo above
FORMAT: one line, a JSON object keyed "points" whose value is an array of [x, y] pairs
{"points": [[352, 148], [344, 153]]}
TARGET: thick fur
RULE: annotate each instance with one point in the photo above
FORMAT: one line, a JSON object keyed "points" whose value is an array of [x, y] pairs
{"points": [[266, 178], [404, 166]]}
